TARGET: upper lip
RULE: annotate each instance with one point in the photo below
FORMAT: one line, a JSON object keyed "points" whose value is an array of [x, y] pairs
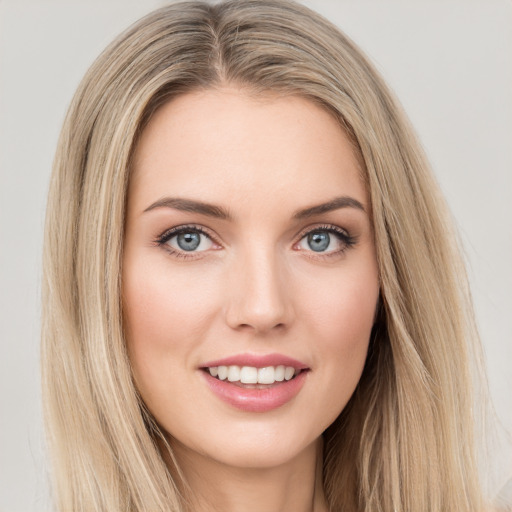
{"points": [[257, 360]]}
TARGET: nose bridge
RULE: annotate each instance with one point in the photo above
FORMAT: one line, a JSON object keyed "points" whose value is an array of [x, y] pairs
{"points": [[259, 297]]}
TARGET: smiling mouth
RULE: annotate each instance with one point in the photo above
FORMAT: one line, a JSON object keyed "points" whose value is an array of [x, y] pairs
{"points": [[259, 388], [253, 377]]}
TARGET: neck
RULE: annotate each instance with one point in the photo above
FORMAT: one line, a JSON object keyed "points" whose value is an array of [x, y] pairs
{"points": [[212, 486]]}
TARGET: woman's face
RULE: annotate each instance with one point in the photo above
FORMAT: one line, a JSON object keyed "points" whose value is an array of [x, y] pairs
{"points": [[249, 259]]}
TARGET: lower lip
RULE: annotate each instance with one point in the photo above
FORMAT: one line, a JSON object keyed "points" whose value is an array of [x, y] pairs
{"points": [[256, 400]]}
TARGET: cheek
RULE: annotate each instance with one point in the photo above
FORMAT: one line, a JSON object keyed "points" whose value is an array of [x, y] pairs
{"points": [[342, 305], [341, 315], [165, 315], [161, 306]]}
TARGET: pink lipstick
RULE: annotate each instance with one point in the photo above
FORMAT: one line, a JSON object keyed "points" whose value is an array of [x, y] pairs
{"points": [[255, 383]]}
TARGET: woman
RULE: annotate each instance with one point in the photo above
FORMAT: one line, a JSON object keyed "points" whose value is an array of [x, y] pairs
{"points": [[253, 298]]}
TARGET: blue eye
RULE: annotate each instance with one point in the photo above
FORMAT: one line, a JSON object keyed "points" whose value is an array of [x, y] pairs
{"points": [[318, 241], [186, 240], [326, 240]]}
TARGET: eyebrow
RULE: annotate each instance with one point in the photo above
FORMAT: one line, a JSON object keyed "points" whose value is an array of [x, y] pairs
{"points": [[189, 205], [335, 204], [211, 210]]}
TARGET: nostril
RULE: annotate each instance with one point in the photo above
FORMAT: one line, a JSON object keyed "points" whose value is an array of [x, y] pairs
{"points": [[260, 327]]}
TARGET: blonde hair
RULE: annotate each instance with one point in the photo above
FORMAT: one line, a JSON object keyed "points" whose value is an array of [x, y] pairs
{"points": [[404, 443]]}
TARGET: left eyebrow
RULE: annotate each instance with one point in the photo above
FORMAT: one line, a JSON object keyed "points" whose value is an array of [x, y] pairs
{"points": [[335, 204]]}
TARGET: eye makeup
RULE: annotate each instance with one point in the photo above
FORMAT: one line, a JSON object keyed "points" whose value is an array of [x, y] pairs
{"points": [[318, 239], [181, 248], [192, 240]]}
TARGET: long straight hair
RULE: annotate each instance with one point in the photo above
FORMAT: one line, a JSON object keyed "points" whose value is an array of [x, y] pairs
{"points": [[404, 442]]}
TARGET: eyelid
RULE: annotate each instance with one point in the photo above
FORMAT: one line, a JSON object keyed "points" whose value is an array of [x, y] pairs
{"points": [[164, 237], [333, 228], [345, 237], [168, 233]]}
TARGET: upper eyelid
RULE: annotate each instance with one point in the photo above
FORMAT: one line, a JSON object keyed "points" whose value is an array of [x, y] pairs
{"points": [[169, 233], [322, 227], [162, 241]]}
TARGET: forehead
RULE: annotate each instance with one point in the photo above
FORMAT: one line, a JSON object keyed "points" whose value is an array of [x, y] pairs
{"points": [[224, 143]]}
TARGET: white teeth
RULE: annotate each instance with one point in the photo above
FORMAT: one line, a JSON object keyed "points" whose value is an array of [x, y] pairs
{"points": [[279, 373], [222, 372], [289, 372], [253, 375], [233, 373], [266, 375], [249, 375]]}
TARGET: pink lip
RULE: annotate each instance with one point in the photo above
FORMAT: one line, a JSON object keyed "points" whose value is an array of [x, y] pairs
{"points": [[256, 400], [258, 361], [252, 399]]}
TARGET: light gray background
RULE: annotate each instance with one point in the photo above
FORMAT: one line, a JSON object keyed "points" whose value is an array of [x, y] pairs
{"points": [[450, 63]]}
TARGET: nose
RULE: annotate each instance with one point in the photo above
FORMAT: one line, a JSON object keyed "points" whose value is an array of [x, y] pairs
{"points": [[259, 295]]}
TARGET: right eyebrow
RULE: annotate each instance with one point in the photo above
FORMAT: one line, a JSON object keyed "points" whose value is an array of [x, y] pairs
{"points": [[190, 205]]}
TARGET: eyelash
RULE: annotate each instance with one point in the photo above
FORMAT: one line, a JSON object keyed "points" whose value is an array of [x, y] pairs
{"points": [[162, 240], [170, 233], [347, 240]]}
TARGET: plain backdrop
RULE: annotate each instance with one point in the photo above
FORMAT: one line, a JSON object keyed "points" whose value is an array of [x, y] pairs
{"points": [[450, 64]]}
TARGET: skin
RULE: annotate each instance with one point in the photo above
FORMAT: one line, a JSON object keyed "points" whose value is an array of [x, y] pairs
{"points": [[255, 286]]}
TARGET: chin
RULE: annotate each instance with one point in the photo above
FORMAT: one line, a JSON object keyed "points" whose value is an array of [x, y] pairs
{"points": [[246, 445], [259, 454]]}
